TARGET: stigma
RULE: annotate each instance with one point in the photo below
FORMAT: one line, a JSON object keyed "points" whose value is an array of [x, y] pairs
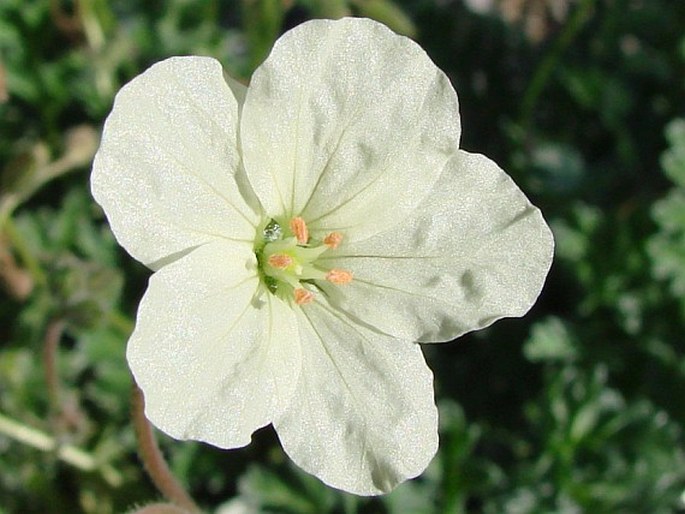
{"points": [[289, 261]]}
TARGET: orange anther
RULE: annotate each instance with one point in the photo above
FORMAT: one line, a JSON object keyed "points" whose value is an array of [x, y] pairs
{"points": [[280, 260], [303, 296], [339, 276], [299, 229], [333, 240]]}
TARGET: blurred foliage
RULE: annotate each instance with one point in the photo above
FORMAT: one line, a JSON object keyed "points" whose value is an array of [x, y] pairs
{"points": [[579, 407], [668, 246]]}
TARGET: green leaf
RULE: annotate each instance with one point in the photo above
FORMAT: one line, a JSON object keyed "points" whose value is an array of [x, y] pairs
{"points": [[550, 340], [673, 160]]}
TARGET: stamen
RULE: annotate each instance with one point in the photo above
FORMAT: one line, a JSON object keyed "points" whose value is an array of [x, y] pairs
{"points": [[280, 260], [303, 296], [333, 240], [289, 262], [299, 229], [339, 276]]}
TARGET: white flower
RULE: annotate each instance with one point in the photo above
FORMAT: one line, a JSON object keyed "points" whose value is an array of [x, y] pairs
{"points": [[305, 231]]}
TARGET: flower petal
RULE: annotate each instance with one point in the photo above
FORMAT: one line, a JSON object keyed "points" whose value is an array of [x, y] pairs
{"points": [[348, 125], [166, 173], [214, 361], [474, 251], [363, 418]]}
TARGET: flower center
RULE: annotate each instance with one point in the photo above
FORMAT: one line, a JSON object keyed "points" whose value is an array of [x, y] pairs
{"points": [[288, 260]]}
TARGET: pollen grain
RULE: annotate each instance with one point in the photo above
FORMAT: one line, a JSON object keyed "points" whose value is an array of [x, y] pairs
{"points": [[280, 260], [300, 230], [303, 296], [339, 276], [333, 240]]}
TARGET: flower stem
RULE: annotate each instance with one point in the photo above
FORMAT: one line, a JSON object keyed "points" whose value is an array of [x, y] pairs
{"points": [[65, 413], [53, 333], [152, 457]]}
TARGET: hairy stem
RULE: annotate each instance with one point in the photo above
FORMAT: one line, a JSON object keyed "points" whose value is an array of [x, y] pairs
{"points": [[152, 457]]}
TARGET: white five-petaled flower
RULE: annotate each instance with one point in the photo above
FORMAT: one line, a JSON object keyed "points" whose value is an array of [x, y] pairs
{"points": [[305, 231]]}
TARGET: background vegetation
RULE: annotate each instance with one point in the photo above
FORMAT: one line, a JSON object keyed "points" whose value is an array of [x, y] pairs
{"points": [[579, 407]]}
